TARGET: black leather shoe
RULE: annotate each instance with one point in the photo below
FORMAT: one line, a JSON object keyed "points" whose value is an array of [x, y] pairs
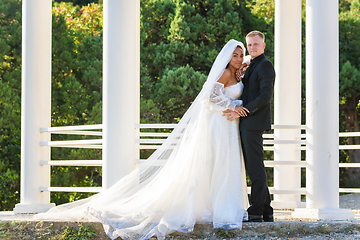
{"points": [[255, 218], [268, 218]]}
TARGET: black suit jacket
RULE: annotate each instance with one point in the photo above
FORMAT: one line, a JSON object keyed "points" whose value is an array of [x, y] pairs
{"points": [[258, 90]]}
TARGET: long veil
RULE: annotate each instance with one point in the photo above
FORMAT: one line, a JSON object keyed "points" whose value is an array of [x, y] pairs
{"points": [[136, 201]]}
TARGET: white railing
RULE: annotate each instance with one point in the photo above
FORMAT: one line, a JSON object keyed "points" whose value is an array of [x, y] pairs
{"points": [[85, 130], [349, 165], [153, 140]]}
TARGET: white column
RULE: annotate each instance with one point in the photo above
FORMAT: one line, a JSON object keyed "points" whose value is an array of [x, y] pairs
{"points": [[287, 99], [322, 113], [120, 87], [35, 105]]}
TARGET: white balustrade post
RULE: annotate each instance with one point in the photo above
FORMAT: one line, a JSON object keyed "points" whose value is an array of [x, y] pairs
{"points": [[35, 105], [322, 113], [287, 100], [121, 63]]}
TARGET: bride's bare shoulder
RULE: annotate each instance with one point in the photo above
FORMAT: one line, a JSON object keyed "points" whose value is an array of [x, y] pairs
{"points": [[225, 77]]}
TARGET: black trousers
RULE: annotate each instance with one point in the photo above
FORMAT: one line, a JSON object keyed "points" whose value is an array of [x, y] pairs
{"points": [[252, 146]]}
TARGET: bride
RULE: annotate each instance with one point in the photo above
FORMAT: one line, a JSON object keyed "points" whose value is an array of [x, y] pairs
{"points": [[197, 175]]}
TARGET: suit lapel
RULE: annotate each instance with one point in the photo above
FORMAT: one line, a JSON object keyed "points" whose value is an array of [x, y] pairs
{"points": [[252, 67]]}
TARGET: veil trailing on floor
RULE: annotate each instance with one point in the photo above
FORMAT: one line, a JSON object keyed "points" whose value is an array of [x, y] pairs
{"points": [[138, 204]]}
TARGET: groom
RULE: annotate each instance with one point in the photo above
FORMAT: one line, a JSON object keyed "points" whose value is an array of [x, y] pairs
{"points": [[256, 118]]}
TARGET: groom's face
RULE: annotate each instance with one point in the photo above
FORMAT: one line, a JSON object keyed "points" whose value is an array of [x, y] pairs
{"points": [[255, 46]]}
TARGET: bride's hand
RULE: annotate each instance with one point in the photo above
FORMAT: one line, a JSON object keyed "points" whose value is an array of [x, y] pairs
{"points": [[231, 115]]}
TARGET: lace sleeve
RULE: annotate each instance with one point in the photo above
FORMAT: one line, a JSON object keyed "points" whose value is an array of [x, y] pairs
{"points": [[220, 100]]}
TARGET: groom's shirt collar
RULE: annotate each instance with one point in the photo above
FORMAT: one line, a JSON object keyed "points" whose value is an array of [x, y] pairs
{"points": [[257, 59]]}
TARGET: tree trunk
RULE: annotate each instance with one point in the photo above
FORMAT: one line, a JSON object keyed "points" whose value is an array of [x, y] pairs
{"points": [[352, 125]]}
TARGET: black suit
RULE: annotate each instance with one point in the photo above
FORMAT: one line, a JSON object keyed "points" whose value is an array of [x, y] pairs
{"points": [[258, 90]]}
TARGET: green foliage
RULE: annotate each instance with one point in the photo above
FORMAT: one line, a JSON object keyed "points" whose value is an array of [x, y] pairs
{"points": [[264, 9], [9, 187], [344, 5], [80, 2], [349, 21], [176, 90], [79, 234], [349, 36], [10, 81], [349, 82], [80, 21]]}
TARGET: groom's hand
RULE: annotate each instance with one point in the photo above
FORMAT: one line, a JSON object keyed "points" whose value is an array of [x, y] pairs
{"points": [[240, 72], [242, 111]]}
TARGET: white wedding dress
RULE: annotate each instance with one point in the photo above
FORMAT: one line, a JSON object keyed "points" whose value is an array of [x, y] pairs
{"points": [[197, 175]]}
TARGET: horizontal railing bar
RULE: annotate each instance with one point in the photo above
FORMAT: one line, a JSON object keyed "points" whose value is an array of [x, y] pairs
{"points": [[349, 134], [71, 142], [145, 134], [349, 190], [266, 148], [349, 165], [172, 125], [269, 148], [270, 142], [288, 127], [285, 163], [70, 189], [272, 135], [156, 163], [91, 133], [72, 128], [149, 146], [349, 147], [294, 191], [283, 191], [150, 140], [271, 163], [81, 146], [98, 189], [267, 163], [148, 134], [72, 163], [267, 135], [156, 125], [266, 142]]}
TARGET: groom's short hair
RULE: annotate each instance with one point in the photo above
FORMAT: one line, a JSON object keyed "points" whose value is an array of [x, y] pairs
{"points": [[256, 33]]}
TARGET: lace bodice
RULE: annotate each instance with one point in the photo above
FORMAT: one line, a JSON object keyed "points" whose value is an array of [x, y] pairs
{"points": [[226, 98]]}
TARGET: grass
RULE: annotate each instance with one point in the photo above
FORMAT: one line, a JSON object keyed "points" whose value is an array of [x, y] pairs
{"points": [[25, 230], [222, 233]]}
